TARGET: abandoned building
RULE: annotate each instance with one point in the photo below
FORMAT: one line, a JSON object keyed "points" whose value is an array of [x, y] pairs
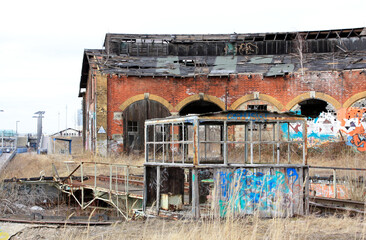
{"points": [[135, 77]]}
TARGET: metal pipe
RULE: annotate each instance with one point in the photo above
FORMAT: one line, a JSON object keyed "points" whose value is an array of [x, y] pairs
{"points": [[288, 143], [146, 144], [305, 145], [225, 144], [278, 142], [335, 183], [163, 143], [339, 168], [154, 143], [195, 194], [110, 182], [82, 184], [246, 143], [260, 140], [95, 176], [274, 140], [127, 190], [158, 180], [251, 142], [172, 146]]}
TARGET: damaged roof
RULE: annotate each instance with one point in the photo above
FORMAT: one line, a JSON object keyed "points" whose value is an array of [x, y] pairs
{"points": [[191, 66], [269, 54]]}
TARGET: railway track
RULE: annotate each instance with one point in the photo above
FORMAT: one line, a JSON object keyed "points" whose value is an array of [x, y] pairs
{"points": [[332, 205], [37, 218]]}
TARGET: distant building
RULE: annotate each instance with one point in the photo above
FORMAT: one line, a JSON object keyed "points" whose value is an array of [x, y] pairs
{"points": [[319, 74], [68, 132], [79, 123]]}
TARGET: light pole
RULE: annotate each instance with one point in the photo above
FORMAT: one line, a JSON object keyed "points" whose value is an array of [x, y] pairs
{"points": [[39, 126], [16, 129], [2, 135], [16, 134]]}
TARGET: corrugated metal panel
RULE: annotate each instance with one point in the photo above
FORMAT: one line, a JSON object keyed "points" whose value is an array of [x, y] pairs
{"points": [[262, 59], [224, 65], [168, 65], [280, 70], [186, 66]]}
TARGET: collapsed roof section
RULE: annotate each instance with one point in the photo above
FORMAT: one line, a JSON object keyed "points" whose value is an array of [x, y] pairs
{"points": [[269, 54], [234, 44]]}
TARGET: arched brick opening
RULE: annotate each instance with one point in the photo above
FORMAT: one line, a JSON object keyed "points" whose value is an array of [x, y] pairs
{"points": [[139, 97], [278, 106], [134, 117], [200, 97]]}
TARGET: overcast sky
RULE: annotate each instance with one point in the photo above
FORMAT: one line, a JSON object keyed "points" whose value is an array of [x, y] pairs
{"points": [[42, 42]]}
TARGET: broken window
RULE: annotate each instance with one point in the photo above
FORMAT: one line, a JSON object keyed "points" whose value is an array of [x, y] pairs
{"points": [[260, 107], [198, 107], [132, 126], [312, 108]]}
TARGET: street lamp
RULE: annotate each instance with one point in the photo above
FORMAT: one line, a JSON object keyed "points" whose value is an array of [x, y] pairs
{"points": [[39, 126], [16, 129], [2, 136]]}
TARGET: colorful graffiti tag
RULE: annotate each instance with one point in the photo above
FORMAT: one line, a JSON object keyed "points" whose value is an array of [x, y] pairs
{"points": [[252, 116], [245, 191], [327, 190], [327, 128], [323, 129], [354, 127]]}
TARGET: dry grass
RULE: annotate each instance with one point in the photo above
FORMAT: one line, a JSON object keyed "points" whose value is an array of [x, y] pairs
{"points": [[32, 165], [309, 227], [336, 154]]}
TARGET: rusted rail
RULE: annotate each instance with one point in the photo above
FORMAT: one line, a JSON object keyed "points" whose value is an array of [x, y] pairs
{"points": [[60, 220], [336, 205]]}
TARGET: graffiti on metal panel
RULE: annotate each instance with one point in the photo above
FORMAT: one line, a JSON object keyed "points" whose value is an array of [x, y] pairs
{"points": [[252, 116], [327, 190], [241, 49], [247, 49], [244, 191]]}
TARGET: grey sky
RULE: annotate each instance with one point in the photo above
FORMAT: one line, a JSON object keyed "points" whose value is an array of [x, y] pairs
{"points": [[42, 42]]}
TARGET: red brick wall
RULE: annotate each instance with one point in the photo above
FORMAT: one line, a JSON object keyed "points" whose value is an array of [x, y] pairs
{"points": [[339, 85]]}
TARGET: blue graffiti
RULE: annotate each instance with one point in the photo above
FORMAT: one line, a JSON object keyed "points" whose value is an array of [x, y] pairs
{"points": [[246, 191], [252, 116], [291, 172]]}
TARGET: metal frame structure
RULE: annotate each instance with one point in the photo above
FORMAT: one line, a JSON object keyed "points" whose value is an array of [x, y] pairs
{"points": [[184, 142], [111, 183]]}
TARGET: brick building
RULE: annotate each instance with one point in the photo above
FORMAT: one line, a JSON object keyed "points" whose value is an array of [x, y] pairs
{"points": [[320, 74]]}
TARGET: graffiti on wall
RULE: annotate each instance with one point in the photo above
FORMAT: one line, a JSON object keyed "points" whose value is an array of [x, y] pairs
{"points": [[244, 191], [330, 127], [354, 127], [323, 129]]}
